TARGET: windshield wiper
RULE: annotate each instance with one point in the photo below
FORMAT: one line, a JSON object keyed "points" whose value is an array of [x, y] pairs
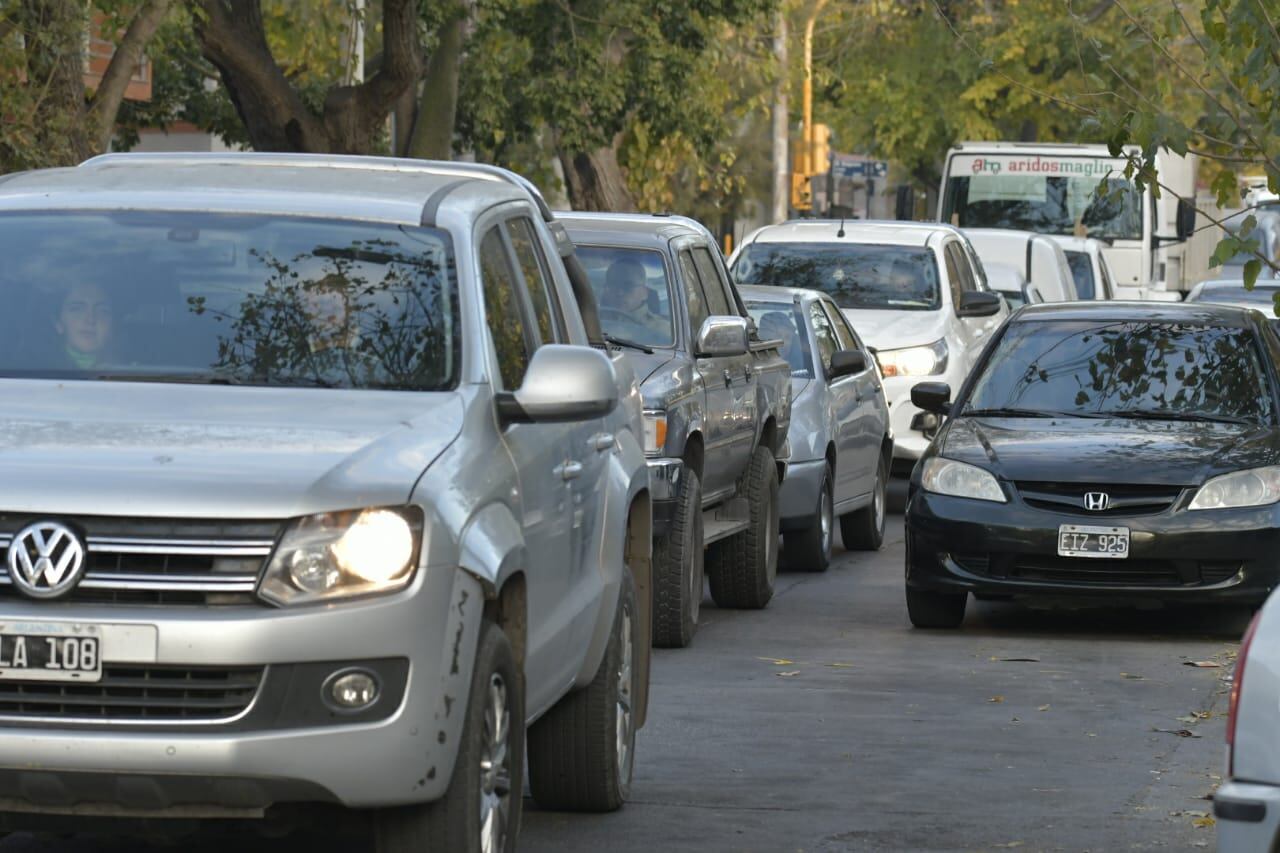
{"points": [[183, 378], [1021, 413], [1169, 415], [623, 342]]}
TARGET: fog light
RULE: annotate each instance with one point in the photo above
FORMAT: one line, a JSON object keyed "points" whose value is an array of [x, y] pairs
{"points": [[352, 691]]}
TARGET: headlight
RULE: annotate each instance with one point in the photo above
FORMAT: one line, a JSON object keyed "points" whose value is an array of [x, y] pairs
{"points": [[958, 479], [914, 361], [344, 554], [1254, 487], [655, 432]]}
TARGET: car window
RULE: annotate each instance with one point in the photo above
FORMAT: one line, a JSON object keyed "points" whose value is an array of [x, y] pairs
{"points": [[854, 275], [976, 265], [824, 334], [1082, 272], [779, 321], [1126, 368], [693, 292], [953, 274], [632, 293], [712, 284], [537, 280], [1108, 289], [963, 266], [513, 340], [844, 333]]}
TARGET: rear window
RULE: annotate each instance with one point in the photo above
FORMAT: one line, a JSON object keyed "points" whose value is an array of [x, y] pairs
{"points": [[779, 321], [894, 278]]}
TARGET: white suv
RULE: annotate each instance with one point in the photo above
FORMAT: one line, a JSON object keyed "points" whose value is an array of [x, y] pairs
{"points": [[915, 292]]}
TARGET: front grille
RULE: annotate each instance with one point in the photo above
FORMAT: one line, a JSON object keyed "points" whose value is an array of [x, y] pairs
{"points": [[154, 694], [1049, 568], [158, 561], [1126, 499]]}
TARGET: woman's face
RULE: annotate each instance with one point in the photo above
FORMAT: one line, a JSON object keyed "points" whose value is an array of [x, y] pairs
{"points": [[85, 319]]}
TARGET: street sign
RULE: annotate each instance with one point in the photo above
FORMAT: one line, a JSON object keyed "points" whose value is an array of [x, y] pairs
{"points": [[845, 166]]}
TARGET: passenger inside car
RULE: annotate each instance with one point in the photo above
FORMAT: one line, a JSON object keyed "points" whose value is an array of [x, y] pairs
{"points": [[85, 322], [626, 291]]}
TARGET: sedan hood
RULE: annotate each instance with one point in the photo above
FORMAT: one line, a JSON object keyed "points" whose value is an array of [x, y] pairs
{"points": [[1081, 450], [897, 329], [100, 448]]}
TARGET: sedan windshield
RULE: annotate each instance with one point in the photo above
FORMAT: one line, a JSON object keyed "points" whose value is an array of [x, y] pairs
{"points": [[1126, 369], [235, 299], [896, 278]]}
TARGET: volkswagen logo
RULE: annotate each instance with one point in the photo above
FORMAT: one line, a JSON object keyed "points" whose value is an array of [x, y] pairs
{"points": [[46, 559], [1096, 501]]}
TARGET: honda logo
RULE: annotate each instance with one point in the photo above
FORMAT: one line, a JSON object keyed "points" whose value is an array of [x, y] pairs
{"points": [[1096, 501], [46, 560]]}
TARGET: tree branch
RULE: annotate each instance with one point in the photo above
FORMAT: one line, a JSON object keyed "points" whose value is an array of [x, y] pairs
{"points": [[105, 103]]}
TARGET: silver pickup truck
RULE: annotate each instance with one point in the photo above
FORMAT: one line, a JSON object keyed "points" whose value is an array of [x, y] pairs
{"points": [[717, 405], [316, 492]]}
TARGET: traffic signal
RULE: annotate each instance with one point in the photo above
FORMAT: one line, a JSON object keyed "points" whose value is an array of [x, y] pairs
{"points": [[801, 192], [820, 158]]}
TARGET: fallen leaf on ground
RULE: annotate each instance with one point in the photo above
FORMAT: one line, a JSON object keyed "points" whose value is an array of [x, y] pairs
{"points": [[777, 661], [1203, 822], [1189, 813], [1008, 845], [842, 665], [790, 674], [1202, 664], [1187, 719], [1090, 734], [996, 699], [1017, 660], [1178, 732], [1043, 708], [1131, 675]]}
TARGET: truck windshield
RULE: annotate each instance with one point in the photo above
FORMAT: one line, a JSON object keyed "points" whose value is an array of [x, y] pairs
{"points": [[1049, 195], [227, 298], [632, 293], [855, 275]]}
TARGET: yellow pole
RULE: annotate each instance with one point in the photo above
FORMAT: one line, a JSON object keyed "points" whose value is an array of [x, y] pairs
{"points": [[806, 156]]}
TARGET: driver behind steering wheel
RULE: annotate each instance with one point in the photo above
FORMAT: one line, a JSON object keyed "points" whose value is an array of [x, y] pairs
{"points": [[625, 291]]}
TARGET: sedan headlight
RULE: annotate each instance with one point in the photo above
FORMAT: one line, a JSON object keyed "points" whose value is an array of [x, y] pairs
{"points": [[655, 432], [344, 554], [927, 360], [1254, 487], [961, 480]]}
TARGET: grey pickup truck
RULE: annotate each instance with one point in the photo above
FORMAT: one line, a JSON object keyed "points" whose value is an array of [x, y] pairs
{"points": [[318, 493], [717, 405]]}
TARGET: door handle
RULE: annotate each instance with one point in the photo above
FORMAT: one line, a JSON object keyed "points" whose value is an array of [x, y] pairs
{"points": [[604, 441], [728, 378], [569, 470]]}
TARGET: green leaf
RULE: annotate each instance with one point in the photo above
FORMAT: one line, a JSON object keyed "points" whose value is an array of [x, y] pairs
{"points": [[1251, 271]]}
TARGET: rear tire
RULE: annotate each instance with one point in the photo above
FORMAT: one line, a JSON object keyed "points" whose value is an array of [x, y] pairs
{"points": [[863, 529], [582, 752], [742, 568], [487, 774], [678, 569], [935, 609], [809, 550]]}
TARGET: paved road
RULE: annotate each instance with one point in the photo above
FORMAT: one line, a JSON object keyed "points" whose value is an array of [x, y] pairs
{"points": [[825, 723]]}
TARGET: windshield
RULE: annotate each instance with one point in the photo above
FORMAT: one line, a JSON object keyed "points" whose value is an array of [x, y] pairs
{"points": [[1082, 272], [779, 321], [1087, 368], [202, 297], [1235, 293], [1048, 195], [632, 293], [896, 278]]}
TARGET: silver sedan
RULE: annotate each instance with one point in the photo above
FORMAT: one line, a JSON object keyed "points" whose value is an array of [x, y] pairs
{"points": [[841, 443]]}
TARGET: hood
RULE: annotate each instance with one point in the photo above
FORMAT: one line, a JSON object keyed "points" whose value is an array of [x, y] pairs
{"points": [[645, 364], [107, 448], [897, 329], [1081, 450]]}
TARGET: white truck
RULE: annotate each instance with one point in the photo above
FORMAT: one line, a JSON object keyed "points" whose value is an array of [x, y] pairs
{"points": [[1156, 249]]}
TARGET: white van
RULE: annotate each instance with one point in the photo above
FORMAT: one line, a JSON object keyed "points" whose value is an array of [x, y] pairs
{"points": [[915, 292], [1043, 263]]}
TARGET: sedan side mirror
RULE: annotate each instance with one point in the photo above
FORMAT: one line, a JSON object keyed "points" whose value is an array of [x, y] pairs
{"points": [[932, 397], [978, 303], [562, 383], [722, 336], [846, 362]]}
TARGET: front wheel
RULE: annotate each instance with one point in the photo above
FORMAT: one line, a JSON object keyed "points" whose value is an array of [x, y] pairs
{"points": [[742, 568], [863, 529], [480, 811], [678, 569], [935, 609]]}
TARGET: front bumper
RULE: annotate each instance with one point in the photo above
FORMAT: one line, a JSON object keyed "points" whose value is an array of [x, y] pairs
{"points": [[1248, 816], [963, 545], [798, 497], [664, 487], [401, 754]]}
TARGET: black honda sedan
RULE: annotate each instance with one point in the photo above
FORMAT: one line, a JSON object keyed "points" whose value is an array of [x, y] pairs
{"points": [[1121, 451]]}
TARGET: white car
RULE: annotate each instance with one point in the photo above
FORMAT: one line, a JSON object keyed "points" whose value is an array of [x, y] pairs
{"points": [[915, 292], [1088, 267], [1247, 804], [1042, 261]]}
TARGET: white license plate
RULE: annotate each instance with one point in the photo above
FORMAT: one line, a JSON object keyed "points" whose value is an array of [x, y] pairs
{"points": [[50, 652], [1082, 540]]}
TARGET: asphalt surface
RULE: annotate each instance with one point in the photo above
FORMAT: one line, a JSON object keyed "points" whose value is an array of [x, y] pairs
{"points": [[826, 723]]}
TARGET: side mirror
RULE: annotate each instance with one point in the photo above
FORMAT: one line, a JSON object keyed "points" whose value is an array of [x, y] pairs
{"points": [[846, 362], [978, 303], [562, 383], [722, 336], [932, 397], [1186, 223]]}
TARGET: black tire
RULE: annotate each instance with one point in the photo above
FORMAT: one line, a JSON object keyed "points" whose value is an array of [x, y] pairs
{"points": [[741, 569], [454, 821], [863, 529], [678, 569], [809, 550], [582, 752], [935, 609]]}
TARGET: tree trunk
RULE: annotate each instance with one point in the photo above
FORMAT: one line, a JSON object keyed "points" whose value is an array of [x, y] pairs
{"points": [[781, 125], [595, 180], [55, 31], [438, 106], [105, 106]]}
